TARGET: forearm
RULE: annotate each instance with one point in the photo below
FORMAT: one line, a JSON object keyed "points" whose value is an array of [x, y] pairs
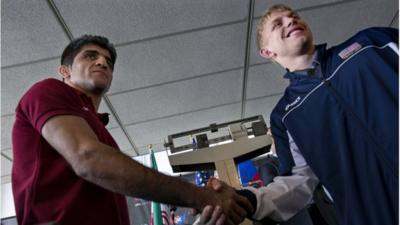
{"points": [[111, 169], [107, 167]]}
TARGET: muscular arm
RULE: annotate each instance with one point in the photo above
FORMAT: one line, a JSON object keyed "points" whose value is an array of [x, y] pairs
{"points": [[107, 167]]}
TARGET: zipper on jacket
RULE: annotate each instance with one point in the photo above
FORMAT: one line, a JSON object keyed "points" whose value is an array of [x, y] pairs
{"points": [[328, 84]]}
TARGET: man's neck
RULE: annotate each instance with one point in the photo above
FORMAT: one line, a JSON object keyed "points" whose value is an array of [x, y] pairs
{"points": [[96, 99], [298, 62]]}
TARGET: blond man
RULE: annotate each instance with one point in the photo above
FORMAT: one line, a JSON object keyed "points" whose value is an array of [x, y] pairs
{"points": [[336, 124]]}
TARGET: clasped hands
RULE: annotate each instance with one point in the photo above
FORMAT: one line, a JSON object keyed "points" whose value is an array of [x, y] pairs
{"points": [[231, 208]]}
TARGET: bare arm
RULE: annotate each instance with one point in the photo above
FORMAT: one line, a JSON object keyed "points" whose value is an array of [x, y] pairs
{"points": [[107, 167]]}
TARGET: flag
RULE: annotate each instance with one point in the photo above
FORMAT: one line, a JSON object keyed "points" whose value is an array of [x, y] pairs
{"points": [[202, 176], [166, 215], [160, 213], [182, 218], [156, 218]]}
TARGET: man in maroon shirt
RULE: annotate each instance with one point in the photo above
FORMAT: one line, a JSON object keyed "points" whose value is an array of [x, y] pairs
{"points": [[67, 168]]}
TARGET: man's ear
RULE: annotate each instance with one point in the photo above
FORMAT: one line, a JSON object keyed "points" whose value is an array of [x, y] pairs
{"points": [[265, 53], [64, 71]]}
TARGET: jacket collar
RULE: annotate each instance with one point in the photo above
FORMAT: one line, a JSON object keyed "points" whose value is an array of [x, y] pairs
{"points": [[317, 61]]}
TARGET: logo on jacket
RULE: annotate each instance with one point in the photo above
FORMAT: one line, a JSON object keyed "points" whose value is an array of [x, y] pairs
{"points": [[292, 104], [347, 52], [85, 108]]}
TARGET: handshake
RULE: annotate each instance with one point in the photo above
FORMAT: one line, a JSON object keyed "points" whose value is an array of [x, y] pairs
{"points": [[225, 205]]}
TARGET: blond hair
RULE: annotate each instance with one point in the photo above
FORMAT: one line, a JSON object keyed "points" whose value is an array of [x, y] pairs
{"points": [[263, 20]]}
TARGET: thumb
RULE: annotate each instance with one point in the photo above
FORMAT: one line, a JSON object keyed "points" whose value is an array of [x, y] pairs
{"points": [[214, 183]]}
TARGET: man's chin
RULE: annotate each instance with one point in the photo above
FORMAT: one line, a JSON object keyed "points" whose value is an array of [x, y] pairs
{"points": [[100, 89], [300, 42]]}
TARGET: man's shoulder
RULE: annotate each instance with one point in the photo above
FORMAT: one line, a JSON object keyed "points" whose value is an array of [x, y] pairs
{"points": [[379, 34], [373, 36], [45, 86], [376, 36], [375, 30], [49, 88], [48, 98], [48, 82]]}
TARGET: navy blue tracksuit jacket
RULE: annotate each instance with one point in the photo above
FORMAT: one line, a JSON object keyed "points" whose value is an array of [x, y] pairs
{"points": [[344, 121]]}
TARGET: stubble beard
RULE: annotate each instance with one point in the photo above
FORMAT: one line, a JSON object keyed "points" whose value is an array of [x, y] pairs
{"points": [[100, 89], [93, 87]]}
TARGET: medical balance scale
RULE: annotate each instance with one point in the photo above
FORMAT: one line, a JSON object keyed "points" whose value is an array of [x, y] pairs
{"points": [[219, 147]]}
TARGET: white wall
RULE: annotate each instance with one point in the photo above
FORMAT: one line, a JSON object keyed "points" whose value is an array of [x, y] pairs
{"points": [[7, 202]]}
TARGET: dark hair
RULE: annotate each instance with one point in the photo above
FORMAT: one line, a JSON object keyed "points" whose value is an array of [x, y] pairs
{"points": [[74, 47]]}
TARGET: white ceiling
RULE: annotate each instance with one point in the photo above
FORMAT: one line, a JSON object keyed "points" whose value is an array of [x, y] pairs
{"points": [[181, 63]]}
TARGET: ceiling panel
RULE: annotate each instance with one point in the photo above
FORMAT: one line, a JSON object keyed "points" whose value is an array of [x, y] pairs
{"points": [[395, 22], [7, 153], [179, 57], [178, 97], [353, 17], [30, 32], [156, 131], [126, 21], [16, 81], [261, 6], [123, 142], [6, 128], [265, 79], [262, 106], [6, 166]]}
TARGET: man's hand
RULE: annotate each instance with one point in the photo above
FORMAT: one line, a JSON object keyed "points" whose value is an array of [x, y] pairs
{"points": [[211, 216], [234, 206]]}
